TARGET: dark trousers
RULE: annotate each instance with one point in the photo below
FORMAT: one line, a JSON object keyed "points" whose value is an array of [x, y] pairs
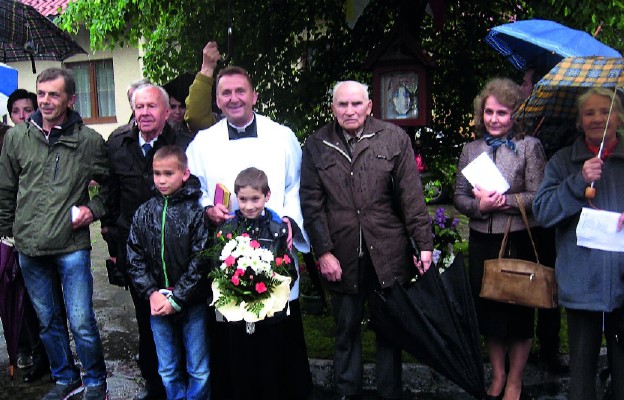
{"points": [[548, 327], [148, 360], [584, 338], [348, 310], [548, 320]]}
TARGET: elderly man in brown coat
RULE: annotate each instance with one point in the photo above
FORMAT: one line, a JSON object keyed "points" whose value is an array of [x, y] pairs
{"points": [[362, 200]]}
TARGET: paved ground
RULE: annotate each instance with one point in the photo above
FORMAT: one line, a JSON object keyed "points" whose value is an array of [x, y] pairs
{"points": [[115, 316]]}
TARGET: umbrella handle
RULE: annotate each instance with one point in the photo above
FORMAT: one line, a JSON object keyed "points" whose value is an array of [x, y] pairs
{"points": [[32, 64], [415, 248], [590, 192]]}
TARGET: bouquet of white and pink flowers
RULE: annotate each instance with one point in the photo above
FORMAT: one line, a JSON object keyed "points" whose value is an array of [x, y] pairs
{"points": [[251, 283]]}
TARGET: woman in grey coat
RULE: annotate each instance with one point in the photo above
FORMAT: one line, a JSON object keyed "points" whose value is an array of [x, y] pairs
{"points": [[507, 328], [591, 281]]}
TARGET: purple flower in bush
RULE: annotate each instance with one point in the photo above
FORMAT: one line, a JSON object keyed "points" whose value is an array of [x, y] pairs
{"points": [[445, 237]]}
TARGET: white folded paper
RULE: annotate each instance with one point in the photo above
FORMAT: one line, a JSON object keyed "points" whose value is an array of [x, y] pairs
{"points": [[482, 172], [597, 229], [75, 212]]}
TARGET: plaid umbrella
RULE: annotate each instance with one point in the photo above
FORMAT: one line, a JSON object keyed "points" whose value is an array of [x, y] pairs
{"points": [[25, 34], [555, 95], [539, 42]]}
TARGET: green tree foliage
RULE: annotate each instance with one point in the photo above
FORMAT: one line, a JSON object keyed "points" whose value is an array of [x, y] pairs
{"points": [[297, 49], [588, 16], [293, 49]]}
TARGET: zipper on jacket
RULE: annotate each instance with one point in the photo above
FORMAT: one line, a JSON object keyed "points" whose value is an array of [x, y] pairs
{"points": [[333, 146], [162, 242], [56, 164]]}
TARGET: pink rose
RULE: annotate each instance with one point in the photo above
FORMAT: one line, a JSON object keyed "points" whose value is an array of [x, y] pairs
{"points": [[230, 260], [286, 259], [235, 280], [261, 287], [254, 244], [278, 261]]}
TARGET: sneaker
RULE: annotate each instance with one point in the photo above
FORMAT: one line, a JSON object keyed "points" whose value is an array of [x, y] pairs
{"points": [[24, 360], [63, 392], [98, 392]]}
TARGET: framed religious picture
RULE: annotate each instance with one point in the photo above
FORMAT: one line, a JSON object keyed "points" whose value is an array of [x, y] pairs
{"points": [[400, 95]]}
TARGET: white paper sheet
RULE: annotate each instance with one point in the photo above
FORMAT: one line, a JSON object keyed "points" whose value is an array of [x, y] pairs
{"points": [[482, 172], [75, 212], [596, 229]]}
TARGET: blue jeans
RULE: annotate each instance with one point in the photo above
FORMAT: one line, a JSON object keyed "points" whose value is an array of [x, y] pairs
{"points": [[74, 270], [184, 332]]}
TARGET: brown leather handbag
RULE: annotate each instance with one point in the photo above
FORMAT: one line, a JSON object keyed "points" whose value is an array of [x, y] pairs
{"points": [[521, 282]]}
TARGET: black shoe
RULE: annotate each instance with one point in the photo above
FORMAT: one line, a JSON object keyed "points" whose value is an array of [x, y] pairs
{"points": [[36, 372], [63, 392], [348, 397], [24, 360], [556, 363]]}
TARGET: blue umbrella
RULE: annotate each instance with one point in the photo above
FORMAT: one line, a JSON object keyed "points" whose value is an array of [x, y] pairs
{"points": [[8, 83], [537, 42]]}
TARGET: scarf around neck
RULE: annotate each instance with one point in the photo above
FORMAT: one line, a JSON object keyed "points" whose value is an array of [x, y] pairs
{"points": [[496, 142]]}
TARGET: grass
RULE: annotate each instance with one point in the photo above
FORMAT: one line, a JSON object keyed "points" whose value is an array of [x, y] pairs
{"points": [[319, 329], [319, 333]]}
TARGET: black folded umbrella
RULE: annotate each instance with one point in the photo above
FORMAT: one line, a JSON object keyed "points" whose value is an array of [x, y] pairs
{"points": [[434, 320], [12, 292]]}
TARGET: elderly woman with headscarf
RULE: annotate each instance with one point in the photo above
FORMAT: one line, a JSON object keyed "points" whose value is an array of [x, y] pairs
{"points": [[591, 281], [508, 329]]}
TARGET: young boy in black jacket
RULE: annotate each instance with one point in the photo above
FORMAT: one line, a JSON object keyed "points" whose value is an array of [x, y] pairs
{"points": [[166, 237], [276, 348]]}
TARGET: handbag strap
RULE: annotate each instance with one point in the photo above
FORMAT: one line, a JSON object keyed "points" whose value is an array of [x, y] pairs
{"points": [[526, 224]]}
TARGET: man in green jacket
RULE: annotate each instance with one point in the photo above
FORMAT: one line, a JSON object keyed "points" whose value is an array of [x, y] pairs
{"points": [[46, 166]]}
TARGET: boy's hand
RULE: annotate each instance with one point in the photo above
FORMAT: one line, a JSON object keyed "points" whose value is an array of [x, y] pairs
{"points": [[159, 305]]}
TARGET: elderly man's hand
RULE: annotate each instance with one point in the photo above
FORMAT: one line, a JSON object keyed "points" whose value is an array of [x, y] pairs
{"points": [[210, 57], [425, 261], [330, 267]]}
